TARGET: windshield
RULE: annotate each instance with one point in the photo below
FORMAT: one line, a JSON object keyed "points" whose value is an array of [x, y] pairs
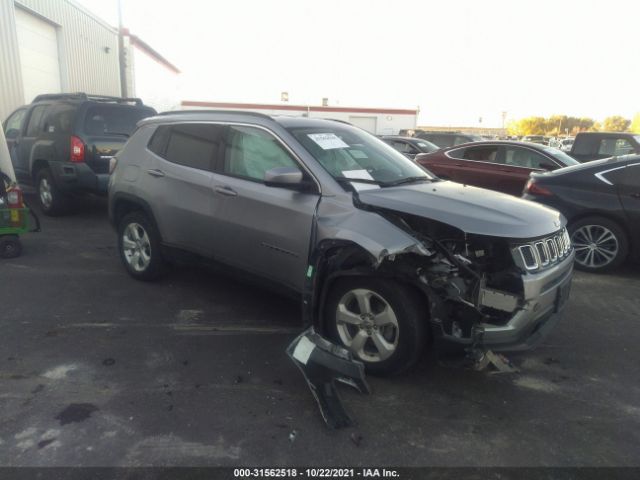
{"points": [[561, 156], [352, 154], [114, 119]]}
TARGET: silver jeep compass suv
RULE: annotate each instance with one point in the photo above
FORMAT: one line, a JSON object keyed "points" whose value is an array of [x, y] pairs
{"points": [[382, 253]]}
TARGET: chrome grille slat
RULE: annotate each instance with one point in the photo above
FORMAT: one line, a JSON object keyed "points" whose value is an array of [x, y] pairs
{"points": [[545, 252]]}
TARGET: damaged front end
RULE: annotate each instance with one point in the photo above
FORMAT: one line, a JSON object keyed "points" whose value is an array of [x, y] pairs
{"points": [[483, 291]]}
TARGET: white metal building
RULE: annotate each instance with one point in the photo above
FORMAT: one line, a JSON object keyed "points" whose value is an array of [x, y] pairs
{"points": [[379, 121], [51, 46], [150, 76]]}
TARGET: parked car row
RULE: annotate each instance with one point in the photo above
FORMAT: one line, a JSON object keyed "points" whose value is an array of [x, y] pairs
{"points": [[365, 236], [601, 200]]}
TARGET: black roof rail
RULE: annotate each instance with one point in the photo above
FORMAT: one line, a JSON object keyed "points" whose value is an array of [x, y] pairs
{"points": [[204, 110], [60, 96], [85, 97], [106, 98]]}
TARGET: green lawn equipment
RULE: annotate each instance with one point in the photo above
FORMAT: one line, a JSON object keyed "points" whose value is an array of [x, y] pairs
{"points": [[14, 218]]}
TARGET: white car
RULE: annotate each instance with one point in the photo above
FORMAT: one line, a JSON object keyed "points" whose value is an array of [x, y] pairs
{"points": [[566, 144]]}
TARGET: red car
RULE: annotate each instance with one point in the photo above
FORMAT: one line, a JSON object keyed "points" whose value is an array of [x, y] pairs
{"points": [[503, 166]]}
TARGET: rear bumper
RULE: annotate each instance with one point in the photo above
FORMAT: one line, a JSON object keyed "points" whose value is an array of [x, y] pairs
{"points": [[545, 296], [71, 177]]}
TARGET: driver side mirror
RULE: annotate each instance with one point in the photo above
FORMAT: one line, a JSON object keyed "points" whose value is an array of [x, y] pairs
{"points": [[285, 177]]}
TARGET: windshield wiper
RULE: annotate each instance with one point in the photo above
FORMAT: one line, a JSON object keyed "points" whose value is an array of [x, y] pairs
{"points": [[407, 180]]}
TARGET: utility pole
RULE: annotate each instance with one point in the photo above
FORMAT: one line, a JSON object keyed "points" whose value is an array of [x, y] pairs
{"points": [[122, 55]]}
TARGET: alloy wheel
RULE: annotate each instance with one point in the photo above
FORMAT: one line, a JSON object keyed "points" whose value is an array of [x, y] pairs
{"points": [[367, 325], [44, 190], [595, 245]]}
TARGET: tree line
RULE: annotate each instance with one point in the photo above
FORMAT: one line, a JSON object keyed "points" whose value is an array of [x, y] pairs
{"points": [[559, 125]]}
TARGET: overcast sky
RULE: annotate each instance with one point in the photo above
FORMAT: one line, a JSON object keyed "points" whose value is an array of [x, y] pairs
{"points": [[457, 60]]}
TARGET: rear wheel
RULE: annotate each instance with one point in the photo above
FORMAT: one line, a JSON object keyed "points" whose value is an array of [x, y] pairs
{"points": [[139, 246], [52, 201], [600, 244], [382, 322], [10, 246]]}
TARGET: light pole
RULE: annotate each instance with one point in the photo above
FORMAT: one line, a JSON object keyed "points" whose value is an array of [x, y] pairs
{"points": [[122, 56]]}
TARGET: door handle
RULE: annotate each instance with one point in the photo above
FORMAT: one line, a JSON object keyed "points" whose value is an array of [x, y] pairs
{"points": [[154, 172], [228, 191]]}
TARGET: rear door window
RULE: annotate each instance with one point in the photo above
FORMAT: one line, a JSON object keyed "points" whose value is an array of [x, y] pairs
{"points": [[59, 118], [193, 145], [523, 157], [114, 119], [34, 128], [615, 147]]}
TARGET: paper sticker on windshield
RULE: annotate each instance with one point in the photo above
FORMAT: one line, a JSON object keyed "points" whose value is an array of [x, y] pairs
{"points": [[327, 141], [358, 174], [364, 186]]}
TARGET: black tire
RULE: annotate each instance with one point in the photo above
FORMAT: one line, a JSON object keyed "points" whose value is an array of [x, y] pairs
{"points": [[10, 246], [408, 307], [55, 205], [617, 240], [151, 264]]}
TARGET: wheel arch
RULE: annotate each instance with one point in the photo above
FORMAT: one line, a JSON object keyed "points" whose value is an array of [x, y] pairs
{"points": [[122, 204], [38, 165], [334, 259]]}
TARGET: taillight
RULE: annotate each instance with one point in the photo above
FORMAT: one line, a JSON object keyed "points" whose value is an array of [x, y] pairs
{"points": [[14, 197], [533, 188], [77, 150]]}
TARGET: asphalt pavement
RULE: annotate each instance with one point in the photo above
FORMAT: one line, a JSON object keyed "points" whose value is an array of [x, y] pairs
{"points": [[97, 369]]}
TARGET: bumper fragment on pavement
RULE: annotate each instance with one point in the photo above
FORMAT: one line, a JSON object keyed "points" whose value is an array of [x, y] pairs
{"points": [[323, 364]]}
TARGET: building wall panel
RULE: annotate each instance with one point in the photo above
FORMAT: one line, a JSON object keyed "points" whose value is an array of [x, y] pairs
{"points": [[11, 93], [88, 50]]}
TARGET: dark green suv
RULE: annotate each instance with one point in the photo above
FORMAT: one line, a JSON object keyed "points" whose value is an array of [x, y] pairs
{"points": [[62, 143]]}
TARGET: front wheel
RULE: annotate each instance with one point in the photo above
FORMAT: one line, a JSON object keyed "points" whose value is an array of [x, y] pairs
{"points": [[139, 246], [600, 244], [382, 322]]}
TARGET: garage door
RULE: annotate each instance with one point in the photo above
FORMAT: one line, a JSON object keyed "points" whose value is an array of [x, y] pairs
{"points": [[38, 41], [365, 123]]}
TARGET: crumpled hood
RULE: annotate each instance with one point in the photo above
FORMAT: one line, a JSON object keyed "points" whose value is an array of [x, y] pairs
{"points": [[471, 209]]}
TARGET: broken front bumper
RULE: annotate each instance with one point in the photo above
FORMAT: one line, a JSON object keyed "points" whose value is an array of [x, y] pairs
{"points": [[545, 296]]}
